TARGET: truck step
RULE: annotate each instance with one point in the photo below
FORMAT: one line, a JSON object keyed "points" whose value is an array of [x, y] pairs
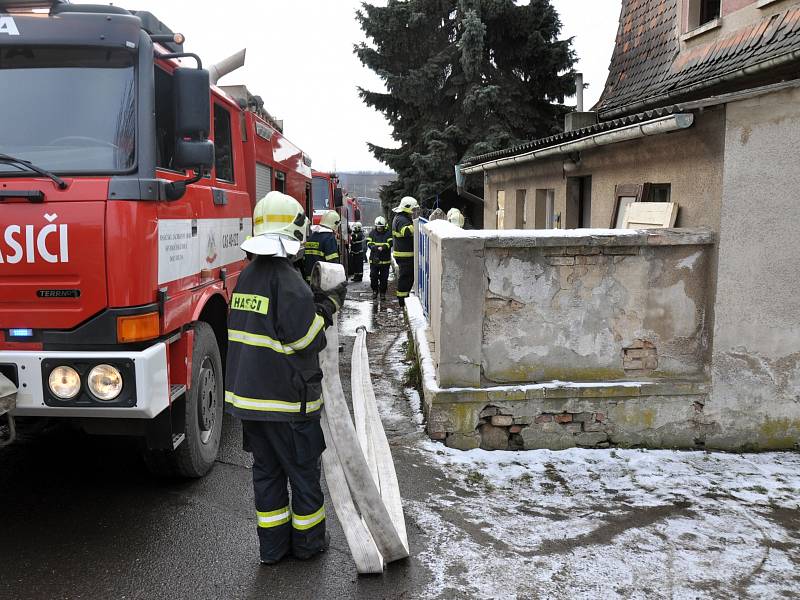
{"points": [[177, 439], [176, 391]]}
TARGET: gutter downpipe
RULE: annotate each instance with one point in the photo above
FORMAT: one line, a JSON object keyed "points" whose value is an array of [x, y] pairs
{"points": [[460, 180], [632, 132], [665, 98]]}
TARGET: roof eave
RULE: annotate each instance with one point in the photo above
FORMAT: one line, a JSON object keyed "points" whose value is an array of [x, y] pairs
{"points": [[675, 122]]}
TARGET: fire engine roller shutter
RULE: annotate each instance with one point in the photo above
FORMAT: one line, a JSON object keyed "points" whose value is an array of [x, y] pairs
{"points": [[263, 180]]}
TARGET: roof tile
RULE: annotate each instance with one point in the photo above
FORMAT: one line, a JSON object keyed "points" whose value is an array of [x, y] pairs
{"points": [[647, 62]]}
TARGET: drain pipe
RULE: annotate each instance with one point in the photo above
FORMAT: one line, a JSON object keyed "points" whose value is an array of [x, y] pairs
{"points": [[460, 181]]}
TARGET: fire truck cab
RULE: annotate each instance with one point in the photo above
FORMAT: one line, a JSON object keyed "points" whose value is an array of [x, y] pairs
{"points": [[125, 191]]}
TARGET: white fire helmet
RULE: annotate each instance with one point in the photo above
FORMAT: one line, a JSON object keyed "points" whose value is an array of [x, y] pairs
{"points": [[407, 205], [280, 226], [380, 222], [331, 220], [455, 217]]}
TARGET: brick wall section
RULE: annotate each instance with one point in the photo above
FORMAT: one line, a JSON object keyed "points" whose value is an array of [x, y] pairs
{"points": [[500, 431]]}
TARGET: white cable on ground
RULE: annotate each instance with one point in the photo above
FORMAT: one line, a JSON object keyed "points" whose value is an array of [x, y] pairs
{"points": [[341, 439]]}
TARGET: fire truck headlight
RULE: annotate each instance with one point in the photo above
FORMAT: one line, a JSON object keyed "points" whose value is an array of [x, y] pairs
{"points": [[105, 382], [64, 382]]}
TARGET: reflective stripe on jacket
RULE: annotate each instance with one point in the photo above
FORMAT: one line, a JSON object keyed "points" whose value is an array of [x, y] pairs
{"points": [[403, 234], [274, 339], [380, 247], [357, 243], [320, 247]]}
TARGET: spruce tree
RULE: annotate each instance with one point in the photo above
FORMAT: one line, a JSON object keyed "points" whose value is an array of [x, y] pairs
{"points": [[463, 77]]}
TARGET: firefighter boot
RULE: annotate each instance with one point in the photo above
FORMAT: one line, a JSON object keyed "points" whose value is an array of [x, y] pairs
{"points": [[374, 294]]}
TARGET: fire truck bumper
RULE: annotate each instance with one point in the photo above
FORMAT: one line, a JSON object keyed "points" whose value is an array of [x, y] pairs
{"points": [[145, 384]]}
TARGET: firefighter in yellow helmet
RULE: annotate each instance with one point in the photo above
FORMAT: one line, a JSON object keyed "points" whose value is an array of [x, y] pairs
{"points": [[403, 251], [273, 379], [322, 245]]}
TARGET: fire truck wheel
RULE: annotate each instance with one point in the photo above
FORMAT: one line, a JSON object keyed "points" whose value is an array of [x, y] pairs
{"points": [[204, 409]]}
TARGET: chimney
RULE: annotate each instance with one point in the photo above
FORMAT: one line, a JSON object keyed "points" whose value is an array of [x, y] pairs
{"points": [[579, 119]]}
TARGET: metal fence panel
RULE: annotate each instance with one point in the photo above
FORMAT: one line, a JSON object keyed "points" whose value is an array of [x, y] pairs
{"points": [[423, 266]]}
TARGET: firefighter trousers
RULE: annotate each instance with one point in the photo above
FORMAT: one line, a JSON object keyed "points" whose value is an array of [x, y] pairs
{"points": [[357, 265], [405, 277], [287, 451], [379, 277]]}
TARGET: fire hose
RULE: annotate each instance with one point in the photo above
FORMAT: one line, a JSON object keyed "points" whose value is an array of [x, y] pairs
{"points": [[358, 464], [8, 401]]}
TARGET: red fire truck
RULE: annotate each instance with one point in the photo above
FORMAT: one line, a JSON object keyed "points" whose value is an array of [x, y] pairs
{"points": [[127, 183], [328, 195]]}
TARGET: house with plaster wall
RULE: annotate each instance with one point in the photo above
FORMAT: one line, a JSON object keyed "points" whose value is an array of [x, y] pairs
{"points": [[559, 328]]}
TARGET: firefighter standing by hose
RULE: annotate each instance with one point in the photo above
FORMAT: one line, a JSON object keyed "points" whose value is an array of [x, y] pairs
{"points": [[403, 251], [273, 380], [322, 245], [379, 243], [357, 252]]}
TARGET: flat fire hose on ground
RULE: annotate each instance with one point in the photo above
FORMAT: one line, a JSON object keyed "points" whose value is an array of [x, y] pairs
{"points": [[8, 401], [374, 530]]}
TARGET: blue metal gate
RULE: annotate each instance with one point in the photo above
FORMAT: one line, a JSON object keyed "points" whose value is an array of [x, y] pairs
{"points": [[423, 267]]}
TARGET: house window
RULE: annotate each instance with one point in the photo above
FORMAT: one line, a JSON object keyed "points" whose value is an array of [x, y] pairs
{"points": [[501, 209], [702, 12], [629, 193], [280, 182], [544, 209], [223, 143], [521, 209], [658, 192]]}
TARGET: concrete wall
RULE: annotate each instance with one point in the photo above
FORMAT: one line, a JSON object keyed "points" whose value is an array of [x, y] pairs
{"points": [[548, 306], [690, 160], [756, 346], [595, 313]]}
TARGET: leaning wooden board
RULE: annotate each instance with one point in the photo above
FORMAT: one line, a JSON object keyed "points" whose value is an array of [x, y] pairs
{"points": [[650, 215]]}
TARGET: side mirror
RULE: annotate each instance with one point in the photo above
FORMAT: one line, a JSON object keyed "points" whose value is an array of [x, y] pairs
{"points": [[193, 154], [193, 150], [192, 103], [338, 197]]}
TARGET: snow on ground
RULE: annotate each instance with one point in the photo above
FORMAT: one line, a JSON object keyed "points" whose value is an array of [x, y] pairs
{"points": [[593, 524], [612, 524]]}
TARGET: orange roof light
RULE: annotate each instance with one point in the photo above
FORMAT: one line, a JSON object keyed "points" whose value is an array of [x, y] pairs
{"points": [[138, 327]]}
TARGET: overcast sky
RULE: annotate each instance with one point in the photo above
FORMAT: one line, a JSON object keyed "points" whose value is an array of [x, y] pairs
{"points": [[300, 60]]}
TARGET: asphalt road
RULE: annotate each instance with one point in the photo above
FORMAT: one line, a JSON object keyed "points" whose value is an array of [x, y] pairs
{"points": [[82, 518]]}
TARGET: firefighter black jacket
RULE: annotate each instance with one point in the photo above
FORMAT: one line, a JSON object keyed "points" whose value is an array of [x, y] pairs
{"points": [[380, 247], [403, 236], [274, 339], [320, 247]]}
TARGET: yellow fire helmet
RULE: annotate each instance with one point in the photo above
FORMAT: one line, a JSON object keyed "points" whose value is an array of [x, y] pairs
{"points": [[279, 226], [455, 217], [407, 205], [331, 220]]}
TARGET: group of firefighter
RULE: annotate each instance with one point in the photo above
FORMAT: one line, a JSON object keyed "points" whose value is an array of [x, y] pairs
{"points": [[273, 380]]}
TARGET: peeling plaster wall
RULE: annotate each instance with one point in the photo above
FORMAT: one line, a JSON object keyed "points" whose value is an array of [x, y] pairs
{"points": [[595, 313], [756, 350]]}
